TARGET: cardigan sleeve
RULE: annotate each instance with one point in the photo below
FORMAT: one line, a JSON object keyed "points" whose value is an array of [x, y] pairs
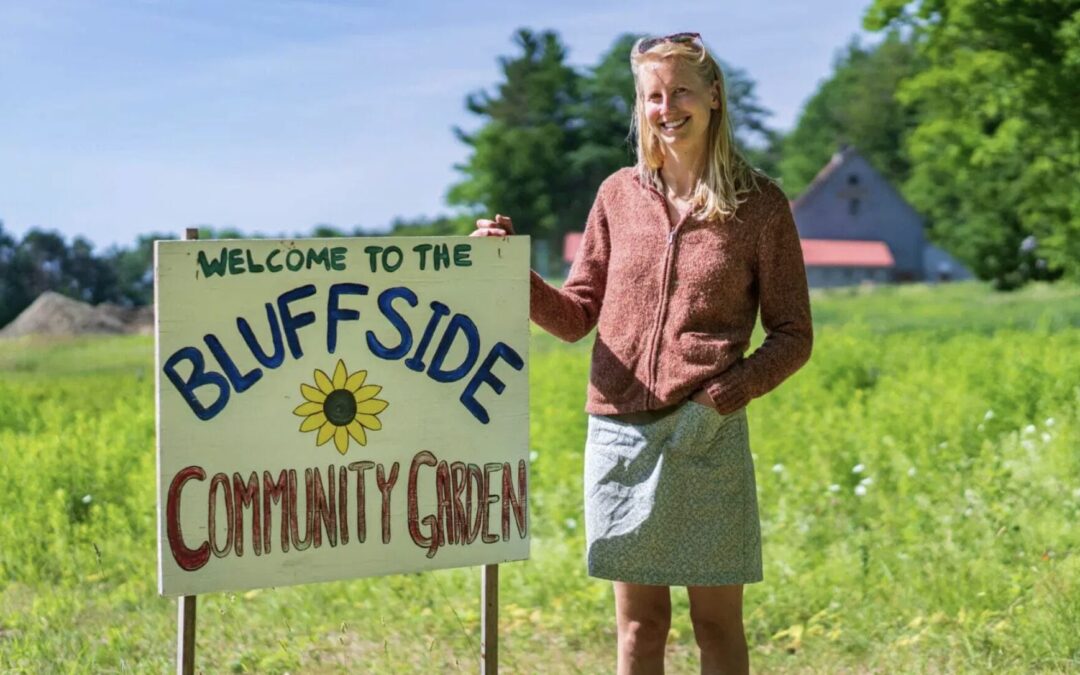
{"points": [[785, 315], [570, 312]]}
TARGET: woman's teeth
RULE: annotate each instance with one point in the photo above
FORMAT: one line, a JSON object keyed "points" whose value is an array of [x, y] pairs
{"points": [[675, 125]]}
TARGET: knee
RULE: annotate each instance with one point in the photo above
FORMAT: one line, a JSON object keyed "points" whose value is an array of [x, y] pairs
{"points": [[713, 635], [643, 637]]}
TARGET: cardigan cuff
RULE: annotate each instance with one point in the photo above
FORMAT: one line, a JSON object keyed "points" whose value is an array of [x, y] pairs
{"points": [[729, 390]]}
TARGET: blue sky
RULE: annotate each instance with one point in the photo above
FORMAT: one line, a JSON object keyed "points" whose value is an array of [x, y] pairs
{"points": [[270, 116]]}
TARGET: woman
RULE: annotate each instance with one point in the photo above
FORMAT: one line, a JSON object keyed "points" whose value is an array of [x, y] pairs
{"points": [[679, 253]]}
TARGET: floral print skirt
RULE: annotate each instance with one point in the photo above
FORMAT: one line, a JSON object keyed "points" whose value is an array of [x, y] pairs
{"points": [[670, 498]]}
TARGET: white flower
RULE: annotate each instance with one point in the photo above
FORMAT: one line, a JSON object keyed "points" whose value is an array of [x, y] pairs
{"points": [[1029, 429], [87, 499], [533, 456], [570, 523], [911, 471], [1049, 421], [778, 468], [1027, 445], [836, 488], [860, 489], [866, 481], [858, 468], [1046, 437], [989, 415], [943, 444]]}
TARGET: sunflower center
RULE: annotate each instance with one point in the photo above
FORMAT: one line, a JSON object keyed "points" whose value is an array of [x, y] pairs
{"points": [[340, 407]]}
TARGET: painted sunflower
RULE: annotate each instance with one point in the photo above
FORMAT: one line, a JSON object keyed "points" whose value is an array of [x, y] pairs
{"points": [[340, 407]]}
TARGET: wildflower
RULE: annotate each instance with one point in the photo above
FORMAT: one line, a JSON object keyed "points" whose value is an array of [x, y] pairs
{"points": [[533, 456], [911, 471], [1046, 437], [836, 488], [87, 499], [860, 490], [1027, 445], [1049, 421], [570, 523], [858, 468], [778, 468], [1029, 429], [866, 481], [989, 415]]}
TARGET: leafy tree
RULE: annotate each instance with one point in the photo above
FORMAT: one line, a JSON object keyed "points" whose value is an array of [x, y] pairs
{"points": [[519, 156], [996, 151], [857, 106]]}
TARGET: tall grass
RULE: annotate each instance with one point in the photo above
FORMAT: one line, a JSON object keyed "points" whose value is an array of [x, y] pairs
{"points": [[919, 487]]}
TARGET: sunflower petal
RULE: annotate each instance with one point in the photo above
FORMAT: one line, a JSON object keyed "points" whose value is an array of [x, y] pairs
{"points": [[369, 421], [357, 432], [372, 406], [355, 380], [323, 381], [370, 391], [340, 375], [313, 422], [325, 433], [307, 408], [312, 394], [341, 439]]}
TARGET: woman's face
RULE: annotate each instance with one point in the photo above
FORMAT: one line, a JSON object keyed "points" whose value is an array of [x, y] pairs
{"points": [[678, 105]]}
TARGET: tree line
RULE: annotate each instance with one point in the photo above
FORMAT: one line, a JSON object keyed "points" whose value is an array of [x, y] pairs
{"points": [[969, 108]]}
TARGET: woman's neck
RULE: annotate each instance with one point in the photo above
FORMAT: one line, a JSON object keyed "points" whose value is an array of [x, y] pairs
{"points": [[681, 171]]}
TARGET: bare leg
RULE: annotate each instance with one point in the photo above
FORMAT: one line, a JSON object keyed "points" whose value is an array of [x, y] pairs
{"points": [[643, 618], [716, 612]]}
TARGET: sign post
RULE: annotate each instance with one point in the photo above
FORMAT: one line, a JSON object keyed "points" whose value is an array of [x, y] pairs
{"points": [[338, 408]]}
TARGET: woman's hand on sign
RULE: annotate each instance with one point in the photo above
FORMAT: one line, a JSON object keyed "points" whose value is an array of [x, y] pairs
{"points": [[500, 227]]}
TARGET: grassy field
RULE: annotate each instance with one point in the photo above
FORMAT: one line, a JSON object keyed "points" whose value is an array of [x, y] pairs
{"points": [[919, 487]]}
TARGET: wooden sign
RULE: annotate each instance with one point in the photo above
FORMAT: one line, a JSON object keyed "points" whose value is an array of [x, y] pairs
{"points": [[338, 408]]}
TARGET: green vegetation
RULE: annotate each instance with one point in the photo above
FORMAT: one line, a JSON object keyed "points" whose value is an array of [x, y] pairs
{"points": [[919, 484]]}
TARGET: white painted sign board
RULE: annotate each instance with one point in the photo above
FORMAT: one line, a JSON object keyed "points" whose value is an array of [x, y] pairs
{"points": [[339, 408]]}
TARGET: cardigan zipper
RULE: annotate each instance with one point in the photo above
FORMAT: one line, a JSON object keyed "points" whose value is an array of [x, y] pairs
{"points": [[661, 311]]}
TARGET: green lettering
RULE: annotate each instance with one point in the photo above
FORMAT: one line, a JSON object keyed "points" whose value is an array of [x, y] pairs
{"points": [[294, 262], [212, 267], [270, 264], [422, 249], [236, 261], [337, 258], [320, 257], [253, 266], [461, 255]]}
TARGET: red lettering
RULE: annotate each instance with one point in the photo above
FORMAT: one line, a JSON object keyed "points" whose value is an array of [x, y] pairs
{"points": [[518, 503], [487, 499], [187, 558], [220, 481], [361, 502], [385, 486], [278, 493], [298, 543], [247, 496]]}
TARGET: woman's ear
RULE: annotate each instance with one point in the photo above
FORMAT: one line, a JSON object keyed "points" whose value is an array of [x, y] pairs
{"points": [[714, 103]]}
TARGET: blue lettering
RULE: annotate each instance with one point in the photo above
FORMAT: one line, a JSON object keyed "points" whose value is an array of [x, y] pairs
{"points": [[292, 323], [483, 375], [334, 313], [385, 299], [253, 344], [240, 383], [199, 377], [463, 324], [416, 363]]}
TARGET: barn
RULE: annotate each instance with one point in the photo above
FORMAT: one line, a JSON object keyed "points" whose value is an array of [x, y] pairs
{"points": [[855, 228]]}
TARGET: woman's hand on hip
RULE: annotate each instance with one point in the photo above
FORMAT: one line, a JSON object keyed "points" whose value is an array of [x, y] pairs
{"points": [[701, 396], [500, 227]]}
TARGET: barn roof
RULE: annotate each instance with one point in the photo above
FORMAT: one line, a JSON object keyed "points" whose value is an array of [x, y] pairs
{"points": [[852, 253], [570, 246]]}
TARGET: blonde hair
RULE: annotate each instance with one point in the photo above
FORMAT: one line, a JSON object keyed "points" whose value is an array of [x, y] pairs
{"points": [[726, 176]]}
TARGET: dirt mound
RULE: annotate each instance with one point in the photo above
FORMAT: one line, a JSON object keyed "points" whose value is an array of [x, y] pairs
{"points": [[55, 314]]}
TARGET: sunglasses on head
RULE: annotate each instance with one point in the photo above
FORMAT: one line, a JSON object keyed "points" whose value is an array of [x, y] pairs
{"points": [[682, 38]]}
